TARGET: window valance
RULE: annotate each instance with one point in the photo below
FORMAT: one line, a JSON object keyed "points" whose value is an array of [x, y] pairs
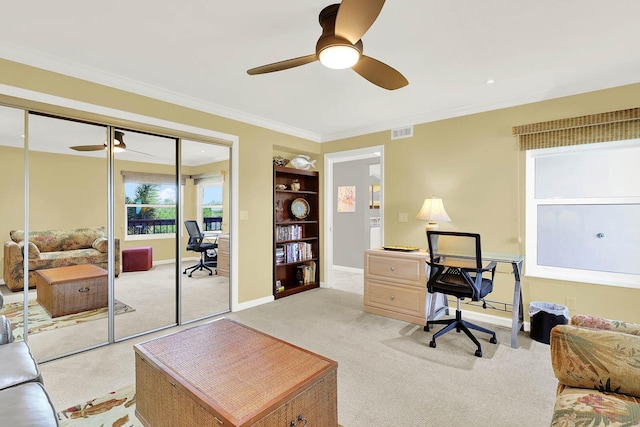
{"points": [[209, 178], [150, 178], [603, 127]]}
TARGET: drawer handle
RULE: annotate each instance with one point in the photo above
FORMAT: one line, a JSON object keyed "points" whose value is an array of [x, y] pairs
{"points": [[218, 420], [392, 297], [83, 290], [393, 269], [301, 418]]}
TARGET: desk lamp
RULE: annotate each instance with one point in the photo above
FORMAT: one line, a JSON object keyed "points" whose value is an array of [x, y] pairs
{"points": [[433, 210]]}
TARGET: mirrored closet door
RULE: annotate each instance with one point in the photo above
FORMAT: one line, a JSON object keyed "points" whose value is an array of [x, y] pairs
{"points": [[205, 262], [68, 235]]}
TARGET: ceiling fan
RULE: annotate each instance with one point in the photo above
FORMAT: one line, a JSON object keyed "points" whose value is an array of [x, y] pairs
{"points": [[118, 146], [340, 46]]}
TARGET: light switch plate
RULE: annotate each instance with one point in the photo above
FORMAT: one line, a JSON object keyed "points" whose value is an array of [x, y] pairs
{"points": [[244, 215]]}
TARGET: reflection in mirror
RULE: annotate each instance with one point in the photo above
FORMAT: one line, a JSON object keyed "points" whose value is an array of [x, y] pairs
{"points": [[68, 279], [205, 264], [145, 209], [12, 217]]}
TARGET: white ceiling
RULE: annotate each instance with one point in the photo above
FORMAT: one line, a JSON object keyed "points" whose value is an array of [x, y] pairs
{"points": [[196, 53]]}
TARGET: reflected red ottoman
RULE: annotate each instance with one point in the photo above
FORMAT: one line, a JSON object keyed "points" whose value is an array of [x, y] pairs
{"points": [[137, 259]]}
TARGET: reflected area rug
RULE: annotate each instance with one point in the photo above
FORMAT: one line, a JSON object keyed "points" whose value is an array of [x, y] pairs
{"points": [[40, 321], [116, 409]]}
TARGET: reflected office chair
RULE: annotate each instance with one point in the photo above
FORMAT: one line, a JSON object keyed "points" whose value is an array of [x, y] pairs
{"points": [[458, 273], [196, 243]]}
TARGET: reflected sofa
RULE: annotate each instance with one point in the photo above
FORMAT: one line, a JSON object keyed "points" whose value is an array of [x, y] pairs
{"points": [[55, 248], [597, 363]]}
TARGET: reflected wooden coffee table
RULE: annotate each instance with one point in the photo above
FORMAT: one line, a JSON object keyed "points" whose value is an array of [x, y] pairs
{"points": [[72, 289], [223, 373]]}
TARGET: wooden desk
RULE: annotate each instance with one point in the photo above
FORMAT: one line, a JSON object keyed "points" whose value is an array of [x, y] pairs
{"points": [[223, 373], [395, 285]]}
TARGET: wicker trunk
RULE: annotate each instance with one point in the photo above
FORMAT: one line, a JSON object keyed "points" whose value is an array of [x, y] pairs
{"points": [[226, 374], [72, 289]]}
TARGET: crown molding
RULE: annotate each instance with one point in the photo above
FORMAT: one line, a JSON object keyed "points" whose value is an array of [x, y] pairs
{"points": [[49, 62]]}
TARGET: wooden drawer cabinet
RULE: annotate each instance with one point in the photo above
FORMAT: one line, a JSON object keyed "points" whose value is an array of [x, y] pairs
{"points": [[223, 255], [395, 285]]}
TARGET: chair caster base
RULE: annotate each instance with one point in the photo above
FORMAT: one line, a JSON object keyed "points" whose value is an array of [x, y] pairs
{"points": [[478, 353], [432, 344], [493, 340], [426, 328]]}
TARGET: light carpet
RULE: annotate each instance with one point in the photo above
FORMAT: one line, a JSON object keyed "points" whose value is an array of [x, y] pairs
{"points": [[40, 321]]}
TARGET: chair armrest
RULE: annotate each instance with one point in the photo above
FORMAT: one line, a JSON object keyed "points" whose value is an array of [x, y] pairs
{"points": [[596, 359]]}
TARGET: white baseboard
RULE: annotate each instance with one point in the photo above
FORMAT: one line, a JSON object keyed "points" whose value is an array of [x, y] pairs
{"points": [[348, 269], [487, 318], [253, 303]]}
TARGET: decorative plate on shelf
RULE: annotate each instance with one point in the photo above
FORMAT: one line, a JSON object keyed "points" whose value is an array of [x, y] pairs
{"points": [[300, 208]]}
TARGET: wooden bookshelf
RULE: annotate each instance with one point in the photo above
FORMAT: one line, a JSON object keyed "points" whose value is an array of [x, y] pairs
{"points": [[296, 240]]}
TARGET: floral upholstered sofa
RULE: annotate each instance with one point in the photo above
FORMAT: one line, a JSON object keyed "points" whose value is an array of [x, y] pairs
{"points": [[597, 363], [55, 248]]}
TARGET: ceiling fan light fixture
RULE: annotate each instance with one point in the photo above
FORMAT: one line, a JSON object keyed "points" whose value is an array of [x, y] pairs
{"points": [[118, 143], [339, 57]]}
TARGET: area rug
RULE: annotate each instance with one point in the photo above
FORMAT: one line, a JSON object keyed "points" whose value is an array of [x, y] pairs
{"points": [[40, 321], [116, 409]]}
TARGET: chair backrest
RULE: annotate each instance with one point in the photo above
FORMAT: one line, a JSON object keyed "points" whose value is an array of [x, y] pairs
{"points": [[454, 244], [195, 236], [448, 248]]}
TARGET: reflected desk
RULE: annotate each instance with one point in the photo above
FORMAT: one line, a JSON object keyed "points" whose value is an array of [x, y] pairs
{"points": [[516, 261]]}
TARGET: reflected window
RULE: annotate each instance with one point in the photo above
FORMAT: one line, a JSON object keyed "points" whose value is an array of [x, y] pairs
{"points": [[151, 207]]}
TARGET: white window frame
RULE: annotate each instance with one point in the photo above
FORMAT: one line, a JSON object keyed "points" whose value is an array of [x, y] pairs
{"points": [[531, 226], [200, 202], [159, 236]]}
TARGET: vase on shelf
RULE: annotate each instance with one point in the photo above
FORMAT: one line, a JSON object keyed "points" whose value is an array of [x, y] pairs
{"points": [[295, 185]]}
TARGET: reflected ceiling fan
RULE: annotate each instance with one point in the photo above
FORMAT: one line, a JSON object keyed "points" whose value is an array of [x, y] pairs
{"points": [[340, 46], [118, 145]]}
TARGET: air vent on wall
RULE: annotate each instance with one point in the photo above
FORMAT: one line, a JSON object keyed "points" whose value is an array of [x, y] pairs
{"points": [[399, 133]]}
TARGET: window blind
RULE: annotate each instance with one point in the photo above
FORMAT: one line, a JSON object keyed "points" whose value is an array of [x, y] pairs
{"points": [[603, 127]]}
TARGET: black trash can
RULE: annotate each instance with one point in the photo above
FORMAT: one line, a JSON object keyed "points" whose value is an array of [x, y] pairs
{"points": [[544, 316]]}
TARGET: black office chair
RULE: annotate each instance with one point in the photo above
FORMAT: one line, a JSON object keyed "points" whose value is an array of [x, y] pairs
{"points": [[196, 244], [457, 270]]}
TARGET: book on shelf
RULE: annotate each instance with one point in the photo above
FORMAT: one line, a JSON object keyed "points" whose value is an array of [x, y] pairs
{"points": [[306, 273], [289, 232], [293, 252]]}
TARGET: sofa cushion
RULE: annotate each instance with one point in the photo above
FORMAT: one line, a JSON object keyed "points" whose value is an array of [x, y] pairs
{"points": [[596, 359], [606, 324], [60, 240], [64, 258], [17, 366], [593, 408], [101, 244], [34, 252], [27, 405], [6, 331]]}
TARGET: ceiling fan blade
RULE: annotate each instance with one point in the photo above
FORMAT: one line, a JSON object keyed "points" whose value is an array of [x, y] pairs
{"points": [[379, 73], [355, 17], [283, 65], [88, 147]]}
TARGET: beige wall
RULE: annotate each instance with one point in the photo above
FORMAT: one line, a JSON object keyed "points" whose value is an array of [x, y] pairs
{"points": [[471, 162], [474, 164]]}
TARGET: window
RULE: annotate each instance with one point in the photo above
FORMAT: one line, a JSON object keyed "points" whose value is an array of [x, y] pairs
{"points": [[583, 206], [150, 205], [210, 189]]}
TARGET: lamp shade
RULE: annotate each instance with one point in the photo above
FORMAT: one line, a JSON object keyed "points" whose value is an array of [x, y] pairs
{"points": [[433, 210]]}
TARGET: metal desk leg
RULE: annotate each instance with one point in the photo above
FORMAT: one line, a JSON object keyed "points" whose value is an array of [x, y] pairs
{"points": [[517, 321]]}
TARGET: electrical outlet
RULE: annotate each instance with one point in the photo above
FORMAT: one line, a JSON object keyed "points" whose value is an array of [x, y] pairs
{"points": [[403, 217], [571, 303], [244, 215]]}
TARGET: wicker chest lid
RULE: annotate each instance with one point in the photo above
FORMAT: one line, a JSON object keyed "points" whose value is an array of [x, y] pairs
{"points": [[237, 370]]}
